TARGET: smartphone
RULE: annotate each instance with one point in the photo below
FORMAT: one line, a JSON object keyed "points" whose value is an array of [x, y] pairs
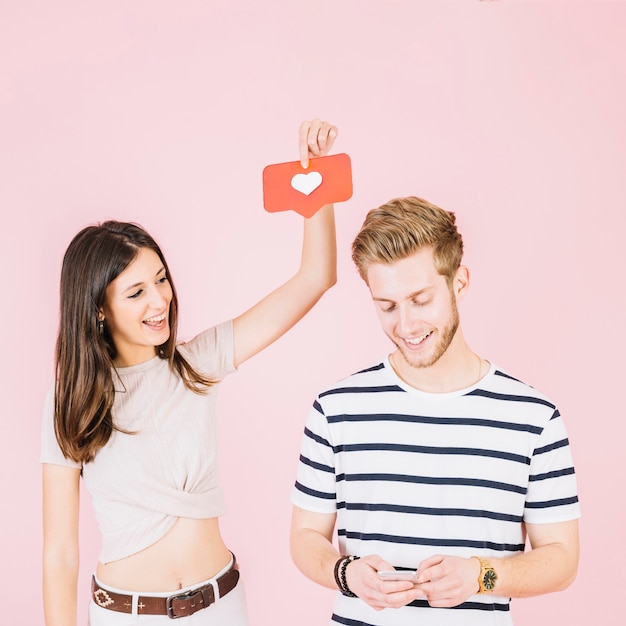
{"points": [[399, 574]]}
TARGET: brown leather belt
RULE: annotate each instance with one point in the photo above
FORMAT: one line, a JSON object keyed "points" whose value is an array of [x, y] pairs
{"points": [[174, 606]]}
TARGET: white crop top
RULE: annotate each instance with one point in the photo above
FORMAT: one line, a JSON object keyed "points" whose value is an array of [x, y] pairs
{"points": [[141, 483]]}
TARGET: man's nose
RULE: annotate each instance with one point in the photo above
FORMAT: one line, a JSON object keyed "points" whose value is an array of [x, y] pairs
{"points": [[408, 319]]}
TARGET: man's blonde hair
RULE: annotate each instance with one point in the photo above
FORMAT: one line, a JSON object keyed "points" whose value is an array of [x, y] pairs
{"points": [[403, 226]]}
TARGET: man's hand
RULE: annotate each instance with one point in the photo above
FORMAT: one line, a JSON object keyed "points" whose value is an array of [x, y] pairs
{"points": [[362, 578], [448, 580]]}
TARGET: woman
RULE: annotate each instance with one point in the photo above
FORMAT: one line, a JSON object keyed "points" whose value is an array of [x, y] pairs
{"points": [[133, 412]]}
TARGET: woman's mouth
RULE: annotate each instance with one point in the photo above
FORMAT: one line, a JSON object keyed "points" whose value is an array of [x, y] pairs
{"points": [[158, 322]]}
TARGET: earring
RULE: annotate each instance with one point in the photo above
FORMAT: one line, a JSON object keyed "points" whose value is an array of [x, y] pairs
{"points": [[101, 327]]}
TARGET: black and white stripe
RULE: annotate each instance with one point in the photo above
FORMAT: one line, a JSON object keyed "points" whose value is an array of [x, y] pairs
{"points": [[411, 474]]}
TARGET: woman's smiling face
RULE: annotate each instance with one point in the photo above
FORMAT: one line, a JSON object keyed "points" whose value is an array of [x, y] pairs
{"points": [[137, 309]]}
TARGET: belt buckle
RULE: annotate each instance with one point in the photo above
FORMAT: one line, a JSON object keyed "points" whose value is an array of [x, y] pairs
{"points": [[183, 596]]}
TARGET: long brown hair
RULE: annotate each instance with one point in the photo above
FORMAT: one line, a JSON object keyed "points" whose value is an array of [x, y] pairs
{"points": [[84, 392]]}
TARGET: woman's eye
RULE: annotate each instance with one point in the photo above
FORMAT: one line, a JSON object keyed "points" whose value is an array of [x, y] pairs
{"points": [[136, 294], [162, 280]]}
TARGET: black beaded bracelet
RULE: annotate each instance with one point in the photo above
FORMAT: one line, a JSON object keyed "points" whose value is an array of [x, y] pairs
{"points": [[342, 576], [337, 564]]}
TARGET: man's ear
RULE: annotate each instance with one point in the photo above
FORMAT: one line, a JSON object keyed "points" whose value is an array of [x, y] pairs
{"points": [[461, 282]]}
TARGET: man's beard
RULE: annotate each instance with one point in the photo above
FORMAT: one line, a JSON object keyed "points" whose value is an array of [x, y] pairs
{"points": [[447, 335]]}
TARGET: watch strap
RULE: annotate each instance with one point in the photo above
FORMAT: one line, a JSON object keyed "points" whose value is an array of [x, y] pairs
{"points": [[487, 577]]}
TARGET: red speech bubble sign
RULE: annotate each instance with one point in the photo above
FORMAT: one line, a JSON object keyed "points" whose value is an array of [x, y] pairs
{"points": [[289, 187]]}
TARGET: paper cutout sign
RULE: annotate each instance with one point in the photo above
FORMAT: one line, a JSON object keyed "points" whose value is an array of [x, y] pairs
{"points": [[289, 187], [306, 183]]}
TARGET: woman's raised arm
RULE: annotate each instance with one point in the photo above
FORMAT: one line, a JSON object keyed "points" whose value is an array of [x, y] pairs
{"points": [[275, 314]]}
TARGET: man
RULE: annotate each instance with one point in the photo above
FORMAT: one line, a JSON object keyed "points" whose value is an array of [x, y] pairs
{"points": [[433, 459]]}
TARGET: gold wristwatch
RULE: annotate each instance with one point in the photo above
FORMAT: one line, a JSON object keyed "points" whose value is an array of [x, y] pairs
{"points": [[487, 577]]}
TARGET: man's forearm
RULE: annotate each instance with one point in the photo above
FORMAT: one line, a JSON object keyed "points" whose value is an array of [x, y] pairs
{"points": [[314, 556], [551, 565], [542, 570]]}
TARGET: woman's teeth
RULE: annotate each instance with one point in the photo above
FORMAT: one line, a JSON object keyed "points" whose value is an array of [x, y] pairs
{"points": [[154, 320]]}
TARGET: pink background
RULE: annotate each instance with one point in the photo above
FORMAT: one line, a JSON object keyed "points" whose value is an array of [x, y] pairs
{"points": [[509, 113]]}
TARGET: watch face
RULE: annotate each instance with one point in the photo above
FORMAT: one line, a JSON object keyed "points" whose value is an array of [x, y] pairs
{"points": [[489, 579]]}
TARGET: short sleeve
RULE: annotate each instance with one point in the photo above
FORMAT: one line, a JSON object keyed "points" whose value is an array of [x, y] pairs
{"points": [[552, 491], [212, 352], [316, 489], [50, 450]]}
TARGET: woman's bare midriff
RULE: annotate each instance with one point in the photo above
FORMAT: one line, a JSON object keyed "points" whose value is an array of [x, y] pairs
{"points": [[192, 551]]}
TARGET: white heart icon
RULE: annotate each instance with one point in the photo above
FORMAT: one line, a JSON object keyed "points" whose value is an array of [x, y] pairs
{"points": [[306, 183]]}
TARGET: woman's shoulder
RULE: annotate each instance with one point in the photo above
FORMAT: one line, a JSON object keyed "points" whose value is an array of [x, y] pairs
{"points": [[50, 451], [212, 350]]}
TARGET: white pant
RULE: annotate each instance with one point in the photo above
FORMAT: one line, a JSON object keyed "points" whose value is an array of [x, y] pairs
{"points": [[227, 611]]}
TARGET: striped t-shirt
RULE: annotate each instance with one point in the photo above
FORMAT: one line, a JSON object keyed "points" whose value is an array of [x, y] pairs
{"points": [[411, 474]]}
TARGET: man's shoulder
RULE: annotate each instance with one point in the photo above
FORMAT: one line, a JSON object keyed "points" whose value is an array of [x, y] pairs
{"points": [[374, 377], [502, 383], [358, 391]]}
